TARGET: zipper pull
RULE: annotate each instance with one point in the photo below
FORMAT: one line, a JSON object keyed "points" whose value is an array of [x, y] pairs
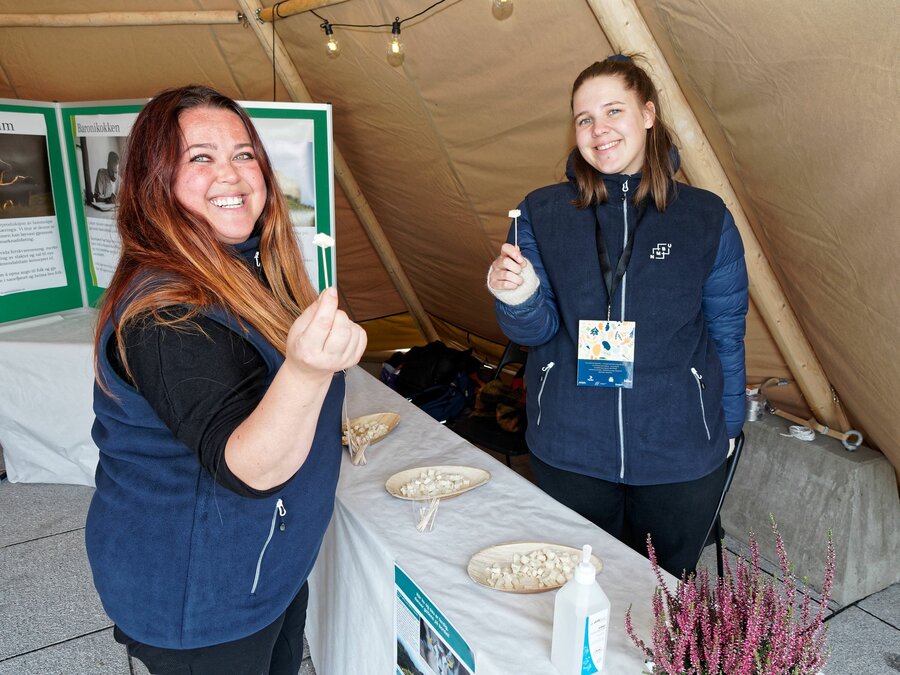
{"points": [[256, 258], [281, 510], [698, 377], [625, 190]]}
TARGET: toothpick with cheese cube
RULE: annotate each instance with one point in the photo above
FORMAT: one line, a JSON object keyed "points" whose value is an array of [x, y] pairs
{"points": [[514, 214], [323, 241]]}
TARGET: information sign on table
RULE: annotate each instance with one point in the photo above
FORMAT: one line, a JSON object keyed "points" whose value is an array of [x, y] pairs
{"points": [[427, 642]]}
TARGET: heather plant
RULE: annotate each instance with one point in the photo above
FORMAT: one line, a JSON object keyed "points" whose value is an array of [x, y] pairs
{"points": [[745, 623]]}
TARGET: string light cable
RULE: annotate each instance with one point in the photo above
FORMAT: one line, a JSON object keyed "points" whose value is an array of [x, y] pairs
{"points": [[395, 53]]}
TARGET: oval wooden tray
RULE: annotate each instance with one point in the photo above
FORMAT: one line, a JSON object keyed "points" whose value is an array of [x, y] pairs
{"points": [[502, 554], [477, 478]]}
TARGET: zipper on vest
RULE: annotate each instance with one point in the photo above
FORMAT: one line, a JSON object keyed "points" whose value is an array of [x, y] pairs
{"points": [[279, 511], [545, 370], [258, 265], [622, 318], [700, 387]]}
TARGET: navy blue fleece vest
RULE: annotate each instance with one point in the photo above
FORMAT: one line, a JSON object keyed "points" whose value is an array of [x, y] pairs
{"points": [[674, 429], [178, 560]]}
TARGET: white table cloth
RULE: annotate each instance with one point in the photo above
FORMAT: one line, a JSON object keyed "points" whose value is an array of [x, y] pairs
{"points": [[350, 624], [46, 398]]}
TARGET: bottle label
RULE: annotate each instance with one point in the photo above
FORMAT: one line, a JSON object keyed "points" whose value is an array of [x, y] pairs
{"points": [[596, 627]]}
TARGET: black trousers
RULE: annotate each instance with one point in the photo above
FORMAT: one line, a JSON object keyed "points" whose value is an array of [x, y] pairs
{"points": [[676, 515], [275, 650]]}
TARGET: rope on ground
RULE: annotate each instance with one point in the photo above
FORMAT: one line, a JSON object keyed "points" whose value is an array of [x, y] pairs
{"points": [[800, 432]]}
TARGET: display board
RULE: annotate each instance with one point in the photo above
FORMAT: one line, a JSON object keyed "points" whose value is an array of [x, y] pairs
{"points": [[94, 136], [427, 642], [298, 139], [38, 263], [60, 165]]}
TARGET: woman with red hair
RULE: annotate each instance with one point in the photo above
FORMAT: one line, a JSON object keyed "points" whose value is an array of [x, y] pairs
{"points": [[218, 398]]}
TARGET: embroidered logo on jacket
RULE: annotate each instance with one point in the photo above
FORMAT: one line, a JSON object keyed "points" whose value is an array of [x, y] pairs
{"points": [[660, 251]]}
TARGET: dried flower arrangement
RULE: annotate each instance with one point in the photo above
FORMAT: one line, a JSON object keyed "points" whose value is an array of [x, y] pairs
{"points": [[745, 623]]}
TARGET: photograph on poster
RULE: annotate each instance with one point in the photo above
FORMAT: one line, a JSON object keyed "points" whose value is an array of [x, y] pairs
{"points": [[289, 144], [99, 160], [406, 665], [100, 166], [437, 653], [25, 190], [30, 254]]}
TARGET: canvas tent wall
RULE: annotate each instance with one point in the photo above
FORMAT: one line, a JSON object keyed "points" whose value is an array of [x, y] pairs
{"points": [[795, 100]]}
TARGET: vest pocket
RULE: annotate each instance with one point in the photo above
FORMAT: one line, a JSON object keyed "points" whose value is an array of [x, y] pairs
{"points": [[698, 378], [546, 373], [279, 512]]}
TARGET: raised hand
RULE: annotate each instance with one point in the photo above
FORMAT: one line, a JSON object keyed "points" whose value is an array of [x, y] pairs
{"points": [[323, 339], [506, 270]]}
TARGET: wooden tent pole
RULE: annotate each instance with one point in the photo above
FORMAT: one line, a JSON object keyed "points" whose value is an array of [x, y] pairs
{"points": [[290, 7], [120, 19], [298, 91], [626, 29]]}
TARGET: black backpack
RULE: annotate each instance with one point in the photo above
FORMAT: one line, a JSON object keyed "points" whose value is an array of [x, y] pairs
{"points": [[436, 378]]}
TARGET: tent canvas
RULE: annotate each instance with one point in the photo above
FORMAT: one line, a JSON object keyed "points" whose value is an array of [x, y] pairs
{"points": [[790, 97]]}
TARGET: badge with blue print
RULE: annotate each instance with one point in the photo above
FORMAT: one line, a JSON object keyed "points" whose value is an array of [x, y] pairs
{"points": [[606, 354]]}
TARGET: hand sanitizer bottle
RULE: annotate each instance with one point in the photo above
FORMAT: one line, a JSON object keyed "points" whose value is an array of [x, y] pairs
{"points": [[580, 622]]}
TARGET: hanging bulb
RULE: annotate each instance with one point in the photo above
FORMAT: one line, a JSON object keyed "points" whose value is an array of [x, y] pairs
{"points": [[501, 9], [395, 53], [332, 47]]}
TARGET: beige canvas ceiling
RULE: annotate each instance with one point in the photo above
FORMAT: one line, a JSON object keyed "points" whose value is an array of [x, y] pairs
{"points": [[797, 100]]}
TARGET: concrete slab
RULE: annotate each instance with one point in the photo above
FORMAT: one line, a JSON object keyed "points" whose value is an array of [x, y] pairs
{"points": [[812, 487], [885, 605], [95, 654], [48, 594], [861, 644], [35, 510]]}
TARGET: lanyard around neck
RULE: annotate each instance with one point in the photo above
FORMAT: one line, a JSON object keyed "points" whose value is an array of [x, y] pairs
{"points": [[611, 280]]}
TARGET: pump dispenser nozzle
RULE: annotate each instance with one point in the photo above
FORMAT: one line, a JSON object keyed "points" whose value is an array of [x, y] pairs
{"points": [[585, 573]]}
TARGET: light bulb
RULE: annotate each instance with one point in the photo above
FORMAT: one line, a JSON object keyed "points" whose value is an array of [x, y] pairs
{"points": [[395, 53], [332, 47], [501, 9]]}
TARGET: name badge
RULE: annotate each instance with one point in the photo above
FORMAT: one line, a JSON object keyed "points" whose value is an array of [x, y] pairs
{"points": [[605, 354]]}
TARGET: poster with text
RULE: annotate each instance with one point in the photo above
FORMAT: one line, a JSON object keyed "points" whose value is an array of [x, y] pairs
{"points": [[427, 643], [95, 144], [38, 266], [297, 138]]}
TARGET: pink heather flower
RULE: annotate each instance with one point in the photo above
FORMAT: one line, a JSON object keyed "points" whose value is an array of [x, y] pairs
{"points": [[741, 624]]}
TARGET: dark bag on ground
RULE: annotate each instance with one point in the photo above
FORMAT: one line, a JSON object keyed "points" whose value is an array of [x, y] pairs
{"points": [[504, 402], [435, 378]]}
